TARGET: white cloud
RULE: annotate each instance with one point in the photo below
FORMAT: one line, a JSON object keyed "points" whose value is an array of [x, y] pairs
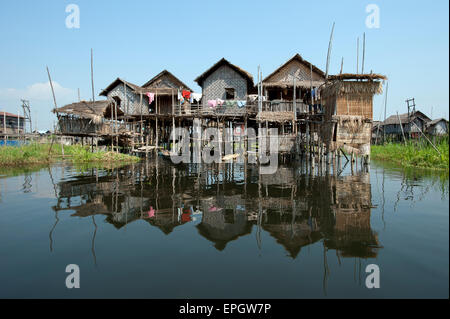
{"points": [[38, 92], [41, 101]]}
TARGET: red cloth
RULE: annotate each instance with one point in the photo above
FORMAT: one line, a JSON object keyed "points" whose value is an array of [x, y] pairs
{"points": [[186, 94], [186, 217]]}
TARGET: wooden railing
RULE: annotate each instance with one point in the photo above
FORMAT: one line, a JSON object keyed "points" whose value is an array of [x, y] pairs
{"points": [[250, 107]]}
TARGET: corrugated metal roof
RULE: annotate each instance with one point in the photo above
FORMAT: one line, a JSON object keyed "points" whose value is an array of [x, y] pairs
{"points": [[3, 113]]}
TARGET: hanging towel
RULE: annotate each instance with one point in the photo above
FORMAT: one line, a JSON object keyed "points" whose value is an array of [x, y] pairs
{"points": [[151, 97], [212, 103], [151, 212], [179, 95], [220, 102], [186, 94], [241, 103], [229, 103], [197, 96], [253, 97]]}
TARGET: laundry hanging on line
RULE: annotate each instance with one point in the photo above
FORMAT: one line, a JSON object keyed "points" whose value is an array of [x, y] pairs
{"points": [[151, 97], [212, 103], [196, 96], [186, 94], [241, 103]]}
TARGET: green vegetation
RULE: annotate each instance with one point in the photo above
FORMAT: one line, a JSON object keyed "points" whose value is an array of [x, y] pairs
{"points": [[36, 154], [418, 154]]}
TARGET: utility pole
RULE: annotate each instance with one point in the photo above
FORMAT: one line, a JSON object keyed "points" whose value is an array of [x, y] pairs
{"points": [[26, 115]]}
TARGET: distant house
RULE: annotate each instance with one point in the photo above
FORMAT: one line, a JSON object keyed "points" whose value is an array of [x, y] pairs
{"points": [[437, 127], [11, 124], [412, 124]]}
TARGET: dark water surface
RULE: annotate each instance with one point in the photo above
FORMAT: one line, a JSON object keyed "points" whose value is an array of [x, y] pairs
{"points": [[154, 230]]}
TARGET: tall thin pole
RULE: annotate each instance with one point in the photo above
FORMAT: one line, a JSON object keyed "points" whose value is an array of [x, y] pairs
{"points": [[342, 65], [401, 126], [385, 107], [92, 75], [56, 110], [79, 99], [18, 123], [329, 51], [53, 91], [364, 53], [357, 56]]}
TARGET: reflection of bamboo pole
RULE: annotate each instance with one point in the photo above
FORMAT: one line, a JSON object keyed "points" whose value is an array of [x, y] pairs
{"points": [[93, 241]]}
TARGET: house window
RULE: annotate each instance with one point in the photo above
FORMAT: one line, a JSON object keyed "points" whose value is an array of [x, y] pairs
{"points": [[230, 94]]}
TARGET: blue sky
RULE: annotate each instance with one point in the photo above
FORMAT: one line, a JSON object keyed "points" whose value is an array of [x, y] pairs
{"points": [[136, 40]]}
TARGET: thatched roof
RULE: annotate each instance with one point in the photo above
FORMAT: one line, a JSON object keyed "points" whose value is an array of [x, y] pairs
{"points": [[220, 63], [353, 76], [275, 116], [155, 82], [393, 119], [117, 81], [336, 88], [305, 82], [85, 109]]}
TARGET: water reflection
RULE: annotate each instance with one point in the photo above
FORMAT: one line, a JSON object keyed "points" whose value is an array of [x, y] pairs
{"points": [[313, 229], [227, 200]]}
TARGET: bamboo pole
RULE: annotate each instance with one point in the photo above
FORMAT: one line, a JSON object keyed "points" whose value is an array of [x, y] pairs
{"points": [[57, 114], [357, 55], [427, 138], [364, 53], [92, 74], [330, 43], [401, 126], [385, 106]]}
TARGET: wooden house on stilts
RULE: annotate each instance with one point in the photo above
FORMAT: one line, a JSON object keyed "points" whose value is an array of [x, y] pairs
{"points": [[348, 104], [289, 99]]}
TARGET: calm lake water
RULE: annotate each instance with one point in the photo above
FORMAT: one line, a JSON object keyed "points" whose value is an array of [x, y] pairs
{"points": [[154, 230]]}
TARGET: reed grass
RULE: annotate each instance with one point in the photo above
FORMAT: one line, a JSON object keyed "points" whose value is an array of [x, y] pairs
{"points": [[35, 153], [419, 153]]}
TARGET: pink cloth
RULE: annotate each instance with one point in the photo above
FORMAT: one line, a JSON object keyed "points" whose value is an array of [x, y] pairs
{"points": [[151, 97], [151, 212], [212, 103]]}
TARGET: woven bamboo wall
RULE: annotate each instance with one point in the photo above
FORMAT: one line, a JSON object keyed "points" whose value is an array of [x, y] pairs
{"points": [[355, 104], [224, 77], [133, 104]]}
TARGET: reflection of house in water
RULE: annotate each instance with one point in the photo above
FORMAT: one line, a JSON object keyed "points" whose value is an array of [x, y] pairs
{"points": [[296, 209], [223, 226], [352, 234], [120, 197]]}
